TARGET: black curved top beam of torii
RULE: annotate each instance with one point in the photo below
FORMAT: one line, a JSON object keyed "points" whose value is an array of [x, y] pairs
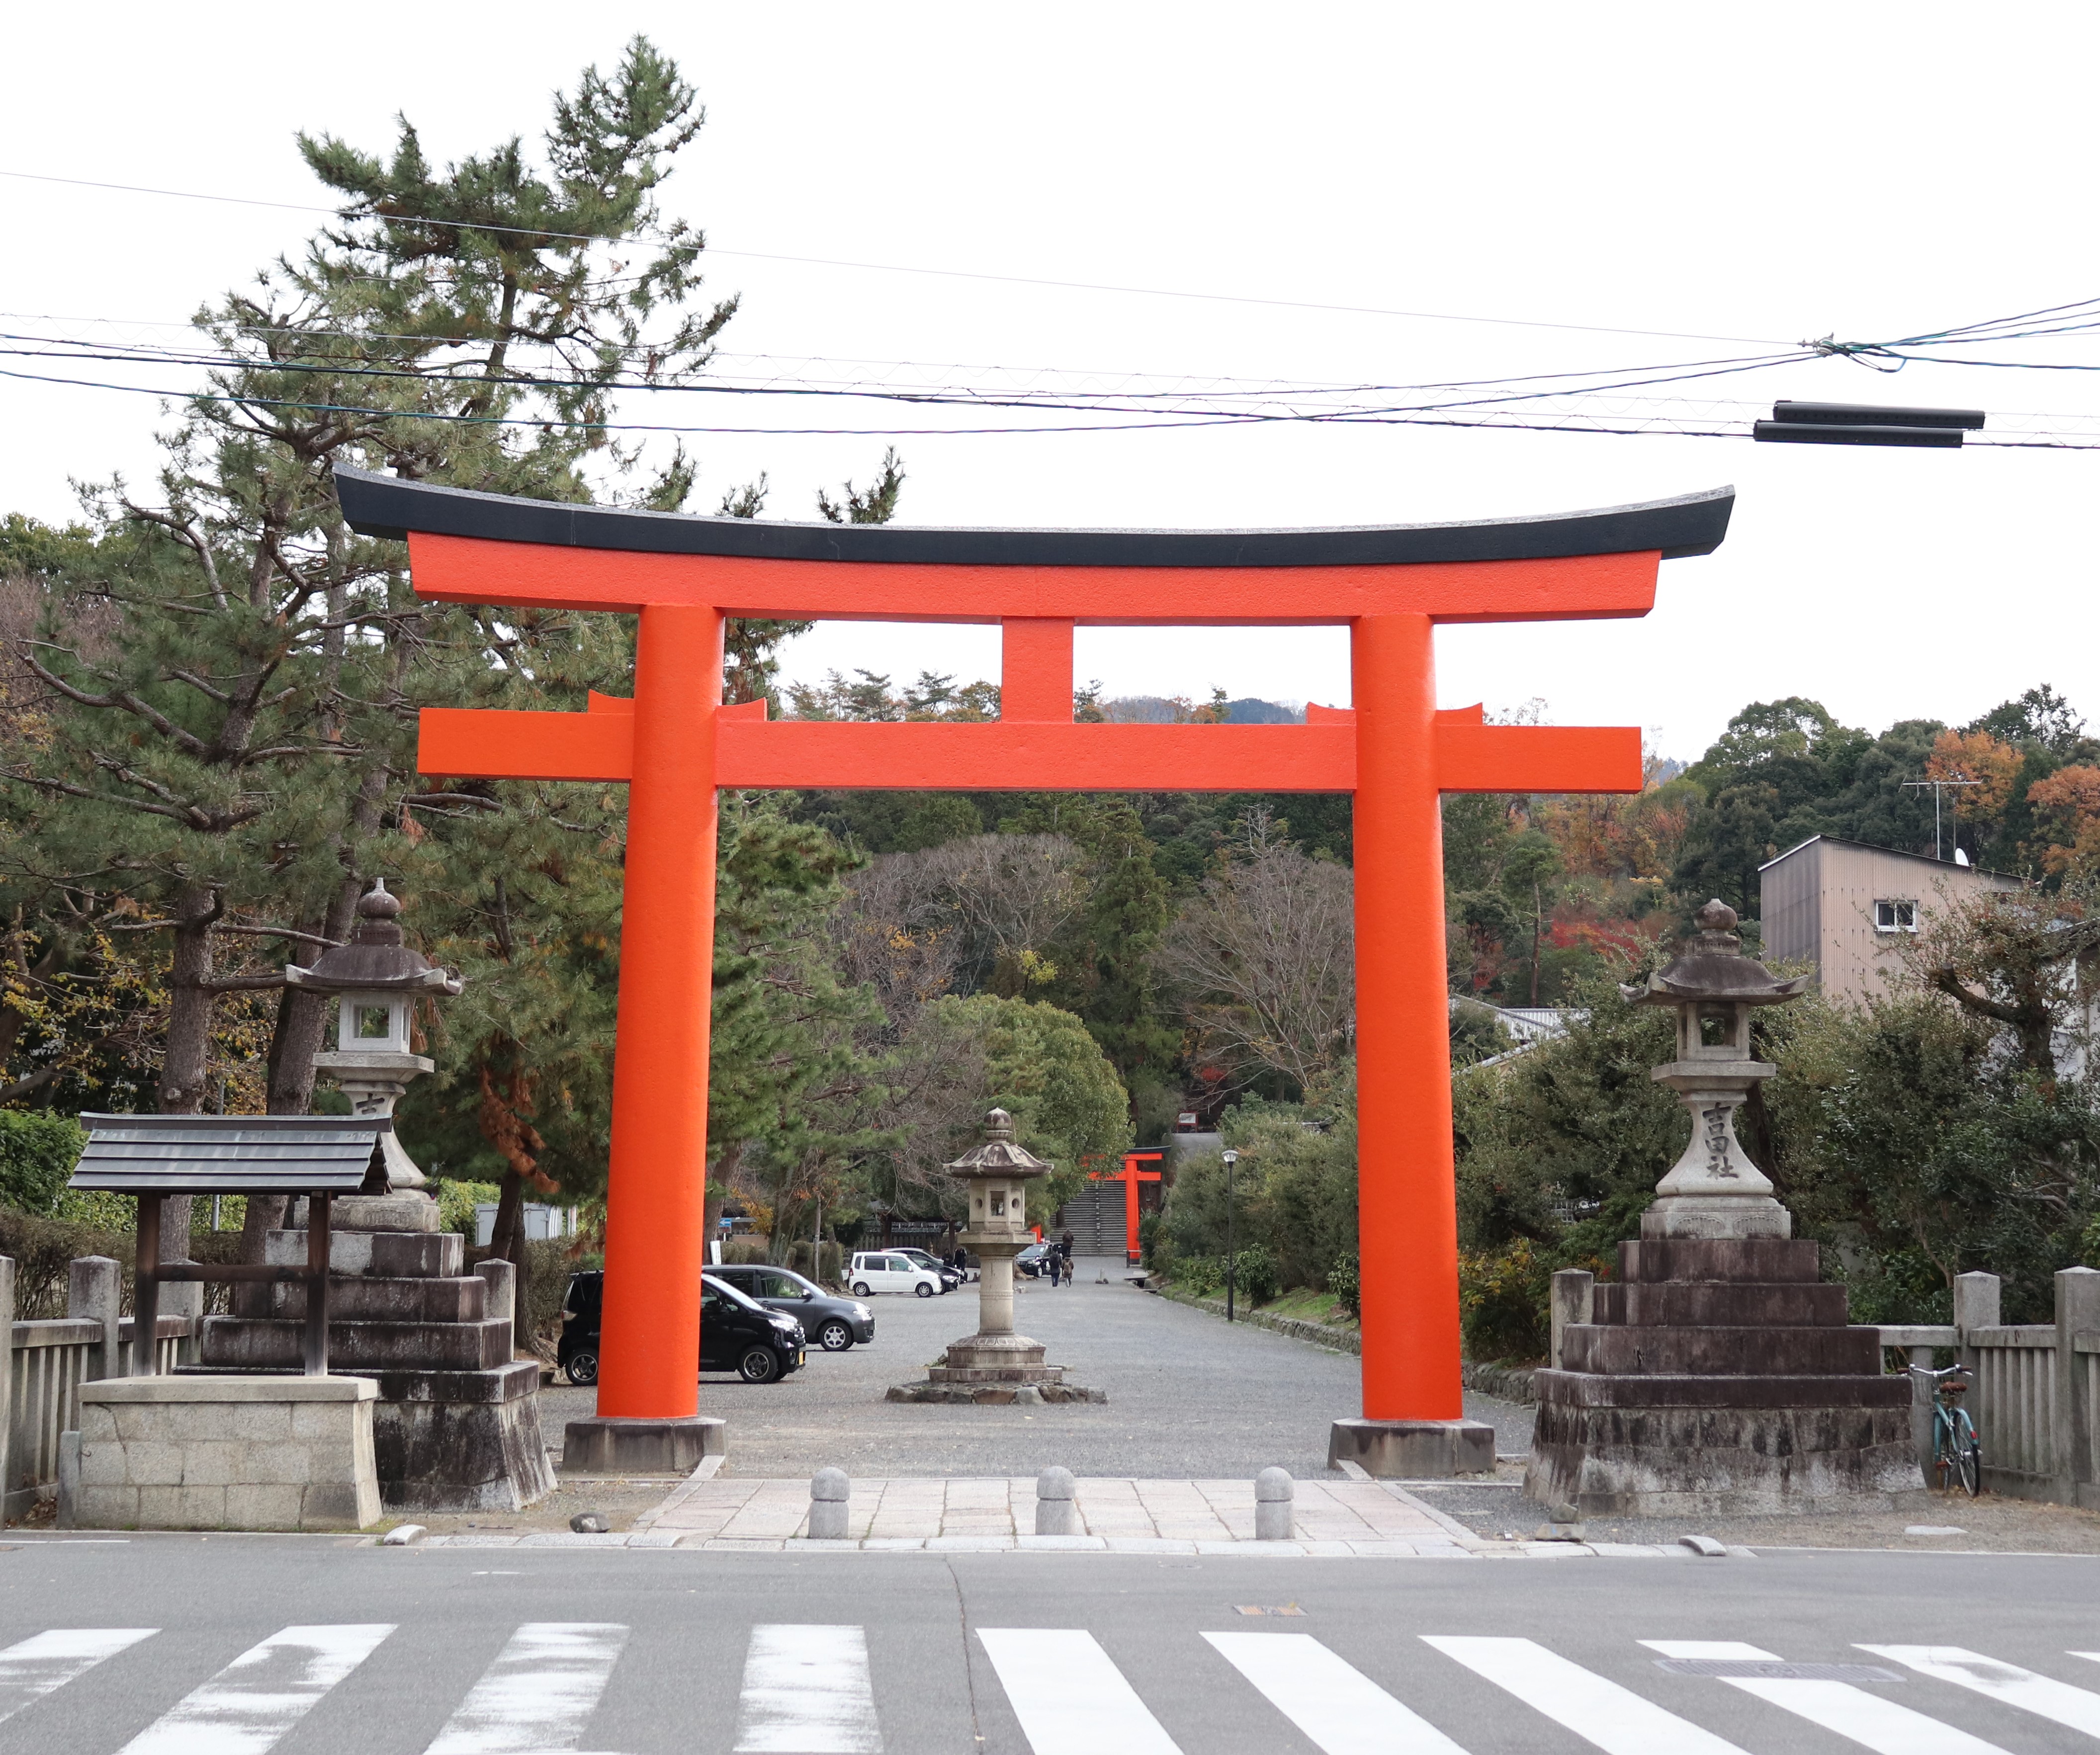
{"points": [[384, 505]]}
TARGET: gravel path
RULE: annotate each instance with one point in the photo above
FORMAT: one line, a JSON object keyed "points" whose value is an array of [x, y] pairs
{"points": [[1189, 1396]]}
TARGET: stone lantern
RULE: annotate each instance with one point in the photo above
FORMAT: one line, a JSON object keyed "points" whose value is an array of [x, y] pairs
{"points": [[1716, 1375], [1715, 1190], [996, 1365], [377, 977], [996, 1174]]}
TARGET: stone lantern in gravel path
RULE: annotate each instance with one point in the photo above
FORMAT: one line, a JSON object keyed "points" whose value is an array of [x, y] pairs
{"points": [[996, 1365], [377, 976], [1715, 1190]]}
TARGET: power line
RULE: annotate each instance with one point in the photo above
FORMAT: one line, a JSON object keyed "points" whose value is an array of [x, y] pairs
{"points": [[884, 267]]}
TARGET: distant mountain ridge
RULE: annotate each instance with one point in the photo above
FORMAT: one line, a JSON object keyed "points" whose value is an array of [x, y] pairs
{"points": [[1157, 710]]}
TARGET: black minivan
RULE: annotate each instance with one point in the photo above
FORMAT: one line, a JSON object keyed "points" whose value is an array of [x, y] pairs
{"points": [[760, 1346]]}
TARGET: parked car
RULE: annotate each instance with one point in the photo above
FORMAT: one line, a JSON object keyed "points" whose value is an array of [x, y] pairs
{"points": [[737, 1333], [891, 1271], [951, 1277], [833, 1322], [1034, 1260]]}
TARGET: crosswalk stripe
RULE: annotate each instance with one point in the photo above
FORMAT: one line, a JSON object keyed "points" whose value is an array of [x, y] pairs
{"points": [[1851, 1712], [1616, 1719], [2042, 1696], [1337, 1707], [249, 1704], [50, 1660], [539, 1693], [1069, 1696], [806, 1691]]}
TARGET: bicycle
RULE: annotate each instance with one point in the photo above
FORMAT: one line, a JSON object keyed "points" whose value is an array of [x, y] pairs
{"points": [[1956, 1453]]}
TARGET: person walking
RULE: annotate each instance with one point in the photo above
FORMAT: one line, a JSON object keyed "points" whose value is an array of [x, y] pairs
{"points": [[1052, 1263]]}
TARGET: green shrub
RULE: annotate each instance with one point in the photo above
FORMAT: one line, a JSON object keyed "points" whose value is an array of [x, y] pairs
{"points": [[1345, 1280], [37, 1153], [1502, 1301], [456, 1201]]}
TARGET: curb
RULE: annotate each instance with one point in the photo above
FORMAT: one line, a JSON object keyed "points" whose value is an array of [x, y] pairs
{"points": [[1296, 1328]]}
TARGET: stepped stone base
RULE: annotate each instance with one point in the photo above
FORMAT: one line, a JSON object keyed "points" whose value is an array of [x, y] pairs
{"points": [[1719, 1379], [994, 1394], [993, 1370], [456, 1425]]}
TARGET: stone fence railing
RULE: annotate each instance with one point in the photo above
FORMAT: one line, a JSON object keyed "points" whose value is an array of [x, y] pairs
{"points": [[48, 1360], [2035, 1392]]}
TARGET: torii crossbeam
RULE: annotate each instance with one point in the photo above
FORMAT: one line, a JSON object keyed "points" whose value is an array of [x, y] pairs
{"points": [[675, 744]]}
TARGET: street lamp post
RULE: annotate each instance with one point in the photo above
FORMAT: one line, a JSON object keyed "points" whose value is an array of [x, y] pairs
{"points": [[1231, 1248]]}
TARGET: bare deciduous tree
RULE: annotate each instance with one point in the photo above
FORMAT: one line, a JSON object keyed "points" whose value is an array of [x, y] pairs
{"points": [[1263, 961]]}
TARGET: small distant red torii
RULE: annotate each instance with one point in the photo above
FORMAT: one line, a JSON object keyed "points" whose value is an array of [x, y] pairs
{"points": [[675, 744]]}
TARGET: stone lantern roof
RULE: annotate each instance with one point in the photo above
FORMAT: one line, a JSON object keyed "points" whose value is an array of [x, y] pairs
{"points": [[1712, 969], [999, 1155], [377, 959]]}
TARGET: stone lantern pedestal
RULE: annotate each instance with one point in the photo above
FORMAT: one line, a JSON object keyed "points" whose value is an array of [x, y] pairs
{"points": [[455, 1426], [996, 1365], [1718, 1376]]}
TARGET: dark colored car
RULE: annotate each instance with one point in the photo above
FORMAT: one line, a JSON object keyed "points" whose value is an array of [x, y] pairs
{"points": [[833, 1322], [737, 1333], [1034, 1260]]}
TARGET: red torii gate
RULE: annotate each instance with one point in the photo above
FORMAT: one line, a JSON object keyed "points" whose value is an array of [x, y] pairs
{"points": [[675, 743], [1130, 1176]]}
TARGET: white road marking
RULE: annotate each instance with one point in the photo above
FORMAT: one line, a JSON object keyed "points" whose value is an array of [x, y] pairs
{"points": [[539, 1692], [51, 1659], [1851, 1712], [1069, 1696], [1336, 1705], [1616, 1719], [806, 1691], [249, 1704], [2040, 1695]]}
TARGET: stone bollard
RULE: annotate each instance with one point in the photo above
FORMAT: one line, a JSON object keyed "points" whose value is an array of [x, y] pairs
{"points": [[1273, 1489], [829, 1492], [93, 1286], [1056, 1513]]}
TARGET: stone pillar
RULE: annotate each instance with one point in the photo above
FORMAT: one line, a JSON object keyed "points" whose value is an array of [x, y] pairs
{"points": [[1569, 1302], [94, 1287], [2077, 1314], [995, 1291], [1921, 1401], [502, 1303], [1976, 1306]]}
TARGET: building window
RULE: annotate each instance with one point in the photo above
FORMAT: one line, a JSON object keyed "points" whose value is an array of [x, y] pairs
{"points": [[1896, 917]]}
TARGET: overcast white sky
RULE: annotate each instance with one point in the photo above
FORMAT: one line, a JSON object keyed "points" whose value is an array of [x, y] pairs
{"points": [[1770, 172]]}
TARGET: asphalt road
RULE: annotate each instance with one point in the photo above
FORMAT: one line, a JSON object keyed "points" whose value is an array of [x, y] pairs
{"points": [[336, 1648], [1190, 1395]]}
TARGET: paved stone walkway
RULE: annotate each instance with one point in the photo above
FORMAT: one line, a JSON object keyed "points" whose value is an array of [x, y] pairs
{"points": [[1189, 1397]]}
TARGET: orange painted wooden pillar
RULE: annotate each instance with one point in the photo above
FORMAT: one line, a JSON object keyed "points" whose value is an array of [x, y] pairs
{"points": [[655, 1243], [1407, 1210]]}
